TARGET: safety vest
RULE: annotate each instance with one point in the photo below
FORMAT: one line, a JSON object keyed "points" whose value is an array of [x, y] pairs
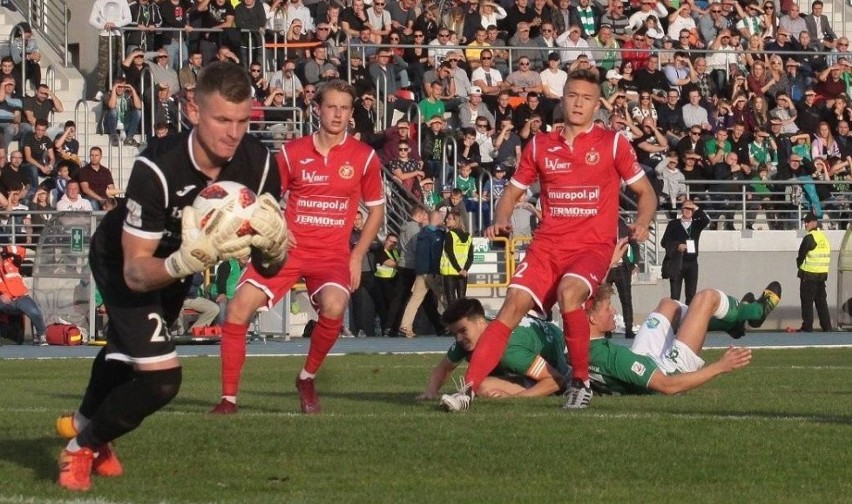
{"points": [[11, 282], [819, 257], [460, 251], [383, 271]]}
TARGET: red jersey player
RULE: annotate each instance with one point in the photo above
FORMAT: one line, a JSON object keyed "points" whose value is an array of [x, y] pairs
{"points": [[580, 167], [325, 177]]}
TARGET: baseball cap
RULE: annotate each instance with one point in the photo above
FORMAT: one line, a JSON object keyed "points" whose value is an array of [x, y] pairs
{"points": [[810, 217], [613, 74], [434, 119], [499, 168], [475, 91]]}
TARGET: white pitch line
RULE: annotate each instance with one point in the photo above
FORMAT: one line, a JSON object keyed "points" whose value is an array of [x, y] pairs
{"points": [[20, 499]]}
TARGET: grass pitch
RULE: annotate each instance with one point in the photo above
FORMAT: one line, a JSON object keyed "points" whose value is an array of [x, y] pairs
{"points": [[776, 432]]}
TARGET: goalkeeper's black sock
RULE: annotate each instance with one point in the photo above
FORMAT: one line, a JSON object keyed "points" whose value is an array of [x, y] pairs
{"points": [[105, 376]]}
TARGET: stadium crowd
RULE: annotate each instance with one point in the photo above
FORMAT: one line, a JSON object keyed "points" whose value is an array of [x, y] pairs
{"points": [[730, 92]]}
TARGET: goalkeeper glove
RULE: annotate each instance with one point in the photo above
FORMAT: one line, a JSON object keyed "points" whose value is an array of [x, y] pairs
{"points": [[203, 248], [270, 230]]}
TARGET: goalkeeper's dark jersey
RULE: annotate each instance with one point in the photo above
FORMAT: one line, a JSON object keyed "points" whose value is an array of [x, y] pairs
{"points": [[164, 180]]}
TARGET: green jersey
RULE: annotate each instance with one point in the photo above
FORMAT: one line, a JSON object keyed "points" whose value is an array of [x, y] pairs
{"points": [[532, 338], [617, 370]]}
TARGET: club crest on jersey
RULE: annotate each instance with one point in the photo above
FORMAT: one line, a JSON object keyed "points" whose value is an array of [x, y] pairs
{"points": [[592, 157], [638, 368], [346, 171]]}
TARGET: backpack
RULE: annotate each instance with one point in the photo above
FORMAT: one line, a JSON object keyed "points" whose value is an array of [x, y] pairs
{"points": [[63, 335]]}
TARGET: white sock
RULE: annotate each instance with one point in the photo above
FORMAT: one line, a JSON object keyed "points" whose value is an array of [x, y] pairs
{"points": [[230, 398], [724, 306], [72, 446], [304, 375], [80, 422]]}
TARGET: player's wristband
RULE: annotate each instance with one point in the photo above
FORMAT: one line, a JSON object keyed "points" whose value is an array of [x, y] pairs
{"points": [[175, 266]]}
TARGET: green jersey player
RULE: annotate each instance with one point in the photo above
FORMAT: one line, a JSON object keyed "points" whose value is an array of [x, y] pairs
{"points": [[664, 357], [533, 364]]}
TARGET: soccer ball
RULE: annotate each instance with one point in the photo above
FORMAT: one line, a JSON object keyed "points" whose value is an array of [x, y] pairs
{"points": [[226, 200]]}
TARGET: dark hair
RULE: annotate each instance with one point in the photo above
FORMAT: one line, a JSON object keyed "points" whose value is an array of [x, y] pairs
{"points": [[463, 308], [70, 124], [41, 122], [96, 148], [338, 85], [228, 79], [582, 74]]}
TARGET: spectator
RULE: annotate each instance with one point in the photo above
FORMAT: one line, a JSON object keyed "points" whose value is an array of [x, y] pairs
{"points": [[15, 222], [469, 112], [694, 114], [214, 14], [364, 116], [456, 259], [40, 107], [165, 108], [387, 277], [13, 176], [525, 217], [819, 27], [66, 149], [359, 76], [524, 80], [146, 16], [96, 181], [10, 115], [353, 19], [124, 107], [433, 144], [576, 46], [63, 176], [432, 105], [40, 212], [133, 67], [673, 191], [207, 310], [175, 14], [14, 294], [366, 301], [287, 81], [318, 68], [250, 17], [428, 249], [813, 263], [38, 156], [430, 197], [162, 71], [189, 73], [396, 134], [25, 55], [71, 201], [406, 170], [507, 144], [106, 16]]}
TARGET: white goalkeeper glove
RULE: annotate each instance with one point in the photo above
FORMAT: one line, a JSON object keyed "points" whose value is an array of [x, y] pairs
{"points": [[203, 248], [270, 230]]}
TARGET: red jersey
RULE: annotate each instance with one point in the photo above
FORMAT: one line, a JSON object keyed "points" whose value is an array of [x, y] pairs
{"points": [[580, 185], [324, 192]]}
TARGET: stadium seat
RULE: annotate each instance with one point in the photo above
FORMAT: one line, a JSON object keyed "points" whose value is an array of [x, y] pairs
{"points": [[405, 94]]}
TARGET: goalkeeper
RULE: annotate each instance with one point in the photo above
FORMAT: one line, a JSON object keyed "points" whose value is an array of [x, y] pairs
{"points": [[142, 253]]}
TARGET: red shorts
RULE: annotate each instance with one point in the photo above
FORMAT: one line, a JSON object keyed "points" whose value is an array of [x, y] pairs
{"points": [[543, 268], [317, 273]]}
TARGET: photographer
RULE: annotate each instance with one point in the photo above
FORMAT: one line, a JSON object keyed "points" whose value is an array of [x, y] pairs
{"points": [[124, 107]]}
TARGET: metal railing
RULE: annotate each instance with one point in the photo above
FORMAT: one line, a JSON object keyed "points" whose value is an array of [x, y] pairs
{"points": [[50, 19]]}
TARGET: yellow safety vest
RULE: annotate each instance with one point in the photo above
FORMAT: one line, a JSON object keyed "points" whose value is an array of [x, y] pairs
{"points": [[383, 271], [818, 258], [460, 251]]}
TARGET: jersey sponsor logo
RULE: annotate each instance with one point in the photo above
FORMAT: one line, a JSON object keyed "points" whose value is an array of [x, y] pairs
{"points": [[584, 195], [573, 212], [638, 368], [594, 277], [346, 171], [312, 177], [555, 165], [316, 220], [183, 192], [134, 214], [306, 161], [651, 322], [592, 157], [323, 205], [555, 148]]}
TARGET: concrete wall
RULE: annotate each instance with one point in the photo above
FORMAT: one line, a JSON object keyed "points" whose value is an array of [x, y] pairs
{"points": [[736, 263], [80, 32]]}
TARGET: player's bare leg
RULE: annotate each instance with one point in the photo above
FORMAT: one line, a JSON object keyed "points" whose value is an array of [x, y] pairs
{"points": [[233, 347], [332, 302], [573, 292]]}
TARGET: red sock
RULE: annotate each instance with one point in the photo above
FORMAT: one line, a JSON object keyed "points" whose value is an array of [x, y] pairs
{"points": [[322, 339], [233, 352], [490, 347], [575, 326]]}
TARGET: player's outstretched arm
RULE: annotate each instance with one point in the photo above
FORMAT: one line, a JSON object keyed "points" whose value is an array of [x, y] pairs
{"points": [[548, 383], [734, 358], [439, 376]]}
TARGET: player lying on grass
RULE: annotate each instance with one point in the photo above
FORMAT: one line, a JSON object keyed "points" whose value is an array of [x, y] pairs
{"points": [[533, 364], [664, 357]]}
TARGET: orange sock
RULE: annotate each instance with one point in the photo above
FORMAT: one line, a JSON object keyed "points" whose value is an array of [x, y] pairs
{"points": [[487, 353], [233, 353], [322, 340], [575, 326]]}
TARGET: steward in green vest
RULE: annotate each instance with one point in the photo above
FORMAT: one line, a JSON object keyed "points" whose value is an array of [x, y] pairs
{"points": [[456, 259]]}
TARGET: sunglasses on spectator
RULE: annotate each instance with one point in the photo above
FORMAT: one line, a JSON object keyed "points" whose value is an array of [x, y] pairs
{"points": [[418, 35], [255, 70], [404, 149], [523, 63], [485, 58], [322, 28], [694, 132], [482, 125], [842, 44], [310, 91], [380, 4], [443, 34]]}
